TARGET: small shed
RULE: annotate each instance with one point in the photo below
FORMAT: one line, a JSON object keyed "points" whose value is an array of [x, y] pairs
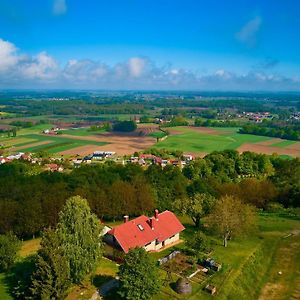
{"points": [[210, 289], [183, 286]]}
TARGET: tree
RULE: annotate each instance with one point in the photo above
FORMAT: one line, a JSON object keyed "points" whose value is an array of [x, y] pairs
{"points": [[230, 217], [79, 234], [9, 246], [139, 278], [125, 126], [51, 278], [196, 206], [198, 243]]}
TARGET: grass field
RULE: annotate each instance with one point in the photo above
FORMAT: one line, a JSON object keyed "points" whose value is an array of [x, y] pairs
{"points": [[284, 144], [203, 140], [189, 140], [82, 132], [49, 143]]}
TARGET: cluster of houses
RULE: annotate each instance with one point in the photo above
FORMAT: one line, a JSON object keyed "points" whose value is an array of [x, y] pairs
{"points": [[295, 116], [148, 159], [20, 155], [52, 167], [256, 117], [143, 160]]}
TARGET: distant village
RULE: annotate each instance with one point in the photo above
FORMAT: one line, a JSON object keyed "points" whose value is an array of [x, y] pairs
{"points": [[56, 163]]}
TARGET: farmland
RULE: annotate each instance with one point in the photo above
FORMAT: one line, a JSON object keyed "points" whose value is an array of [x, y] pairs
{"points": [[195, 140], [200, 141]]}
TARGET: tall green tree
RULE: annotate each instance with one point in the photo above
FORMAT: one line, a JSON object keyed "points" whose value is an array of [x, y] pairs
{"points": [[79, 234], [51, 278], [196, 206], [231, 217], [9, 246], [139, 278]]}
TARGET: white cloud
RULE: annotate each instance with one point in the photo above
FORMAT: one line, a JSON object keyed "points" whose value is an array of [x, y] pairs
{"points": [[42, 67], [59, 7], [21, 70], [8, 56], [136, 66], [248, 33]]}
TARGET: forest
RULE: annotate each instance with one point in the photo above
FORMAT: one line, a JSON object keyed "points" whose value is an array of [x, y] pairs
{"points": [[30, 200]]}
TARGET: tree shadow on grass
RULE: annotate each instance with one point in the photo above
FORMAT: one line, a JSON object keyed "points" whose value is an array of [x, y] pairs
{"points": [[18, 279], [99, 280]]}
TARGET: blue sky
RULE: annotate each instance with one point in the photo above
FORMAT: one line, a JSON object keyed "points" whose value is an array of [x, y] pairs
{"points": [[150, 44]]}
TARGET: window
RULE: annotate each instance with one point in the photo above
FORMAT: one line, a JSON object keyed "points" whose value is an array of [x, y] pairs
{"points": [[141, 228]]}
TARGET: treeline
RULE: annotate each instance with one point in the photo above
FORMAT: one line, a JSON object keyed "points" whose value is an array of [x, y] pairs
{"points": [[176, 121], [199, 122], [30, 202], [69, 107], [287, 132]]}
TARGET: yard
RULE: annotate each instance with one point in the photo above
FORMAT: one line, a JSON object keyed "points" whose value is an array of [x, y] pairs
{"points": [[250, 266]]}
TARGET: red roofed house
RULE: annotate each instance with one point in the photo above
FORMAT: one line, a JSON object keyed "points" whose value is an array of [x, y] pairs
{"points": [[150, 233]]}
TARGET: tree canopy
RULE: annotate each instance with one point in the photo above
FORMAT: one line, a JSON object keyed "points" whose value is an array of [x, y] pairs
{"points": [[230, 217], [139, 279], [78, 231]]}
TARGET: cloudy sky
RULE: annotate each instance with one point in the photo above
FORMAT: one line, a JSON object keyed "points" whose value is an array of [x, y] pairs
{"points": [[150, 44]]}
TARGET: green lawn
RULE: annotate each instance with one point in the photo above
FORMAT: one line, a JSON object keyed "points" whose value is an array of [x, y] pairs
{"points": [[249, 263], [157, 134], [192, 141]]}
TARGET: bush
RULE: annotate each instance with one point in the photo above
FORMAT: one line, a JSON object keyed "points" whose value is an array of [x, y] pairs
{"points": [[9, 246], [125, 126], [274, 207]]}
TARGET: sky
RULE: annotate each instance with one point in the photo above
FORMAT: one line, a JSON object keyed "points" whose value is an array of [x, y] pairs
{"points": [[249, 45]]}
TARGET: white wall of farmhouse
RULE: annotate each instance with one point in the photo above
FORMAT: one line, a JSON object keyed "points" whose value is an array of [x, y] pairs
{"points": [[153, 246]]}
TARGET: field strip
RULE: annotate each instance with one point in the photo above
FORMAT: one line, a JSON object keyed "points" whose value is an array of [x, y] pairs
{"points": [[295, 146], [269, 150], [16, 141], [32, 145], [92, 138], [270, 142]]}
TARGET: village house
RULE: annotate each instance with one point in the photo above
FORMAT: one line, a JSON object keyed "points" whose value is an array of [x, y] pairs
{"points": [[151, 233]]}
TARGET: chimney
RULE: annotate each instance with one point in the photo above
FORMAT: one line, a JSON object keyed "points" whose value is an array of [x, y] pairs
{"points": [[151, 223], [126, 218], [156, 214]]}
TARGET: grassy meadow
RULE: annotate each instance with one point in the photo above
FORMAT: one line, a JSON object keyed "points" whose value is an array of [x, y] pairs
{"points": [[192, 140], [189, 140]]}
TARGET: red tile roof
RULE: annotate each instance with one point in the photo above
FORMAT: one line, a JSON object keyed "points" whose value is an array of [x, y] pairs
{"points": [[129, 235]]}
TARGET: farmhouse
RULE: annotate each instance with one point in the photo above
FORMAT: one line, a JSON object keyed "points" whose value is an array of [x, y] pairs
{"points": [[151, 233]]}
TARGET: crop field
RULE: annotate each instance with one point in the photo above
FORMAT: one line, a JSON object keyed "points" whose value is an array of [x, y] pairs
{"points": [[200, 141], [56, 144], [80, 141]]}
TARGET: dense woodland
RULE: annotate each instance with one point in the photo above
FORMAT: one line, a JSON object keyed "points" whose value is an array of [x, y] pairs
{"points": [[30, 200]]}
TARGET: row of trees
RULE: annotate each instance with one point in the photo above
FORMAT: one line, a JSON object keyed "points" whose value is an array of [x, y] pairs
{"points": [[284, 132], [216, 123], [31, 201]]}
